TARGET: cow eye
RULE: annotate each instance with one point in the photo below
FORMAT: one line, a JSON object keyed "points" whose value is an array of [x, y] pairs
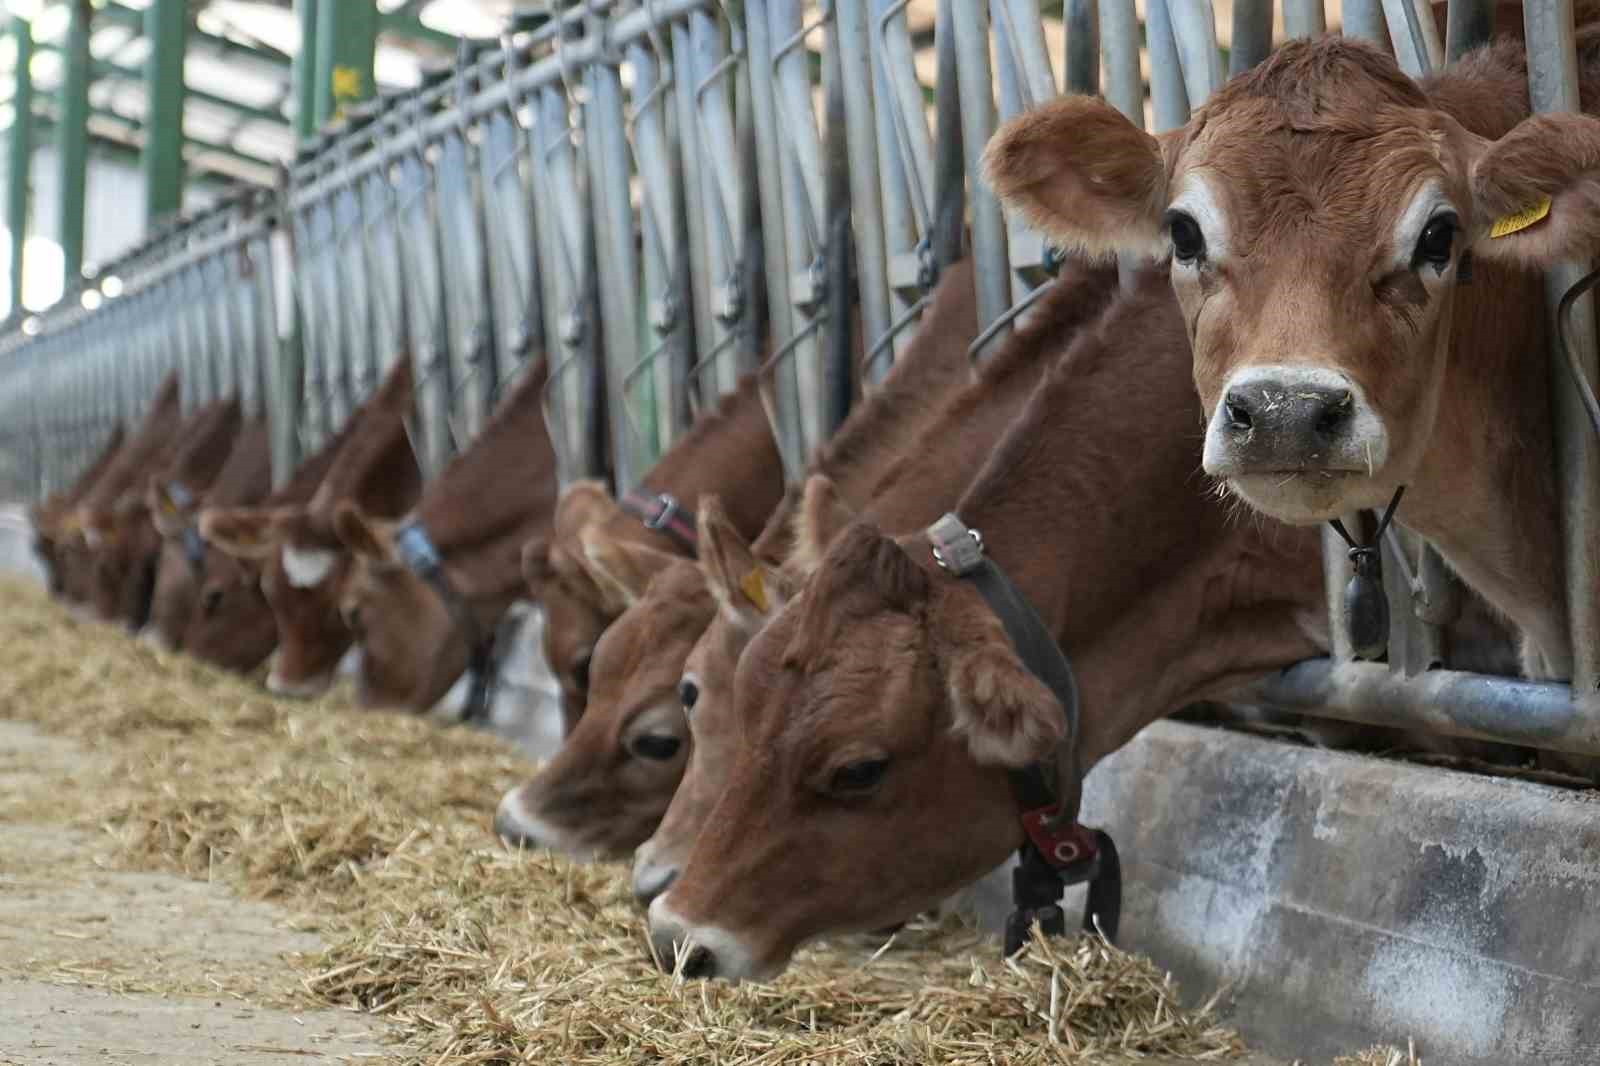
{"points": [[858, 778], [688, 694], [651, 746], [1437, 238], [1188, 243]]}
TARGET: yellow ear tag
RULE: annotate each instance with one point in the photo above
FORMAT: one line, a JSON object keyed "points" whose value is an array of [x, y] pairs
{"points": [[1510, 224], [754, 587]]}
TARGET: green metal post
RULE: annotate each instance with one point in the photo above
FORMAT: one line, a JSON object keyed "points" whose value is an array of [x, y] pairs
{"points": [[347, 38], [166, 24], [72, 140], [305, 71], [20, 155]]}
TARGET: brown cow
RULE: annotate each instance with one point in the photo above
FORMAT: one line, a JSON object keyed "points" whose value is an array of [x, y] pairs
{"points": [[877, 713], [232, 625], [1318, 211], [476, 515], [172, 499], [729, 449], [118, 533], [56, 537], [303, 564], [610, 784]]}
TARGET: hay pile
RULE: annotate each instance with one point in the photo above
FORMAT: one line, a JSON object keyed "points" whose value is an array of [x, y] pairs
{"points": [[374, 828]]}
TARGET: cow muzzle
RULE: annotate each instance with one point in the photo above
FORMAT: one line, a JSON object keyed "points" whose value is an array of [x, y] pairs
{"points": [[700, 951], [1298, 443], [650, 877]]}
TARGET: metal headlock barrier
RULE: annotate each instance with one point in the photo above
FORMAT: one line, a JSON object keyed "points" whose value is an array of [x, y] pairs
{"points": [[655, 196]]}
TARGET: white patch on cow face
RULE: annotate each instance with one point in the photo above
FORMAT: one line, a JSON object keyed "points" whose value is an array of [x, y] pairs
{"points": [[306, 568], [1427, 203], [1198, 199]]}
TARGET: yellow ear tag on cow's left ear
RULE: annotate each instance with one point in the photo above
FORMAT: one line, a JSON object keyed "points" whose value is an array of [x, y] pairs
{"points": [[1516, 223], [754, 587]]}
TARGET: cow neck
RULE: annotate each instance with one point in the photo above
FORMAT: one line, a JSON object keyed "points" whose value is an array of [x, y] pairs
{"points": [[1095, 507], [728, 451]]}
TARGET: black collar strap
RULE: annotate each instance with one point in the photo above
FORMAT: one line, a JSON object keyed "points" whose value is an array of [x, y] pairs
{"points": [[664, 514], [1057, 849], [1366, 605], [418, 555]]}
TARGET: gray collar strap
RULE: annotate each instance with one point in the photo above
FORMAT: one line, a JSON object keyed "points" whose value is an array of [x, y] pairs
{"points": [[419, 555], [1057, 850]]}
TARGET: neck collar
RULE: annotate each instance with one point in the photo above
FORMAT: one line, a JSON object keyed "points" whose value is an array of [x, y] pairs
{"points": [[664, 514]]}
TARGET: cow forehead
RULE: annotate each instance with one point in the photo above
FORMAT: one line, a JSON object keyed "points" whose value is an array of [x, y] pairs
{"points": [[306, 568], [1338, 184]]}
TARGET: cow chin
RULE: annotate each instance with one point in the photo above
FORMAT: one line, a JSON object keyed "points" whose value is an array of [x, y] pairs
{"points": [[302, 689], [1309, 497]]}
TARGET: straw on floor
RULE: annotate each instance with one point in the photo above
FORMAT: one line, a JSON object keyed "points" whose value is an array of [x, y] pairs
{"points": [[374, 826]]}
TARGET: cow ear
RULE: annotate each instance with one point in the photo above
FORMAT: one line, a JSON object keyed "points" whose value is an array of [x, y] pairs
{"points": [[367, 537], [621, 568], [1078, 171], [243, 532], [822, 516], [745, 589], [537, 571], [168, 516], [1536, 192], [1007, 716], [584, 503]]}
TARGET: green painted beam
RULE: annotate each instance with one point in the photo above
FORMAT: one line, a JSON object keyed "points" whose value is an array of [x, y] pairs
{"points": [[166, 24], [72, 140], [305, 71], [20, 155], [347, 40]]}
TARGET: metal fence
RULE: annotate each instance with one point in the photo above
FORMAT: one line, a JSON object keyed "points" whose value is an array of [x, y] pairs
{"points": [[656, 196]]}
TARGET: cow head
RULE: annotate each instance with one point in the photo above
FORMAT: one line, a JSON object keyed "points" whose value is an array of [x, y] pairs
{"points": [[745, 591], [1317, 211], [578, 607], [875, 717], [607, 787], [182, 560], [303, 571], [125, 548], [231, 625], [412, 649]]}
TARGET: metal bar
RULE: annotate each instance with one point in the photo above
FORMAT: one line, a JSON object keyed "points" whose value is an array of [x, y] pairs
{"points": [[347, 39], [305, 70], [1553, 86], [1168, 94], [1413, 34], [1468, 23], [991, 262], [1080, 22], [1303, 18], [19, 156], [1194, 27], [496, 92], [1252, 34], [166, 24], [72, 141], [1507, 710], [1365, 19], [1119, 42]]}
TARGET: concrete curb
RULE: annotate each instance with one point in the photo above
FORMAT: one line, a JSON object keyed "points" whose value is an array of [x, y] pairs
{"points": [[1350, 900]]}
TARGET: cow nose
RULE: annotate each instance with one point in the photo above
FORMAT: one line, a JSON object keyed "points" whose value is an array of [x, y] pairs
{"points": [[1290, 410], [508, 826], [649, 881], [667, 940]]}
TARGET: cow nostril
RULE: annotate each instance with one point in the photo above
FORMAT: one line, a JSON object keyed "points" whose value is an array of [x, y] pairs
{"points": [[1238, 415], [700, 963], [1335, 413]]}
